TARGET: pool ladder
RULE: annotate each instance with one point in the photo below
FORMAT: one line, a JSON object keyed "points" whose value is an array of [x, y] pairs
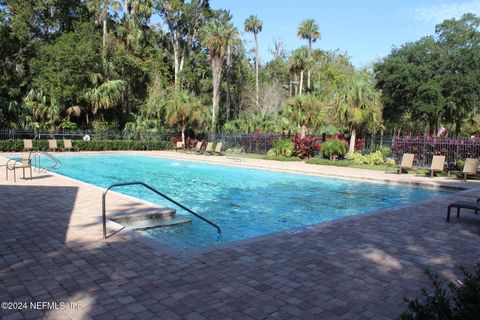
{"points": [[37, 156], [104, 213]]}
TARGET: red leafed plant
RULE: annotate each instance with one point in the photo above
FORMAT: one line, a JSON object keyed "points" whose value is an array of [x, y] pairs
{"points": [[305, 147]]}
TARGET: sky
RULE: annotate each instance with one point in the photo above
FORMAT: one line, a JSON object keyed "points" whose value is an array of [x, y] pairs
{"points": [[366, 30]]}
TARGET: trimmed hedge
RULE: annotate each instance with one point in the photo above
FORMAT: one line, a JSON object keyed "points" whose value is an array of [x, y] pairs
{"points": [[93, 145]]}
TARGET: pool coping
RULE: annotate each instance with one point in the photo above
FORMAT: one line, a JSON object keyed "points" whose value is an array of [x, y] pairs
{"points": [[164, 248]]}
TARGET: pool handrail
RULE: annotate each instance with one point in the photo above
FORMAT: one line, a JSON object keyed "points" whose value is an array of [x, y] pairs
{"points": [[104, 214], [37, 165]]}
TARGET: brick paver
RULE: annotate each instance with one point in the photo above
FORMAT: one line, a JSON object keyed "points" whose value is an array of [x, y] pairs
{"points": [[51, 250]]}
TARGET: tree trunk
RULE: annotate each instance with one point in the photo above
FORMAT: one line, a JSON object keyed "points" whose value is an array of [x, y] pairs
{"points": [[183, 136], [303, 131], [458, 127], [176, 64], [290, 89], [227, 96], [301, 82], [180, 66], [309, 57], [353, 137], [257, 58], [295, 85], [104, 37], [216, 75]]}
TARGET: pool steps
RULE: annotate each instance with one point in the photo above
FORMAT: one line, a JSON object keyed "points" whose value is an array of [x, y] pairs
{"points": [[149, 223], [162, 217]]}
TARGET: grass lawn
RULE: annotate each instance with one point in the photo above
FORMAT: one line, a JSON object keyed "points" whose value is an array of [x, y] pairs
{"points": [[262, 156], [339, 163]]}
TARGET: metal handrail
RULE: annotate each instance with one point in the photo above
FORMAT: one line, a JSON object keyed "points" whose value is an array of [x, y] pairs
{"points": [[38, 154], [104, 214]]}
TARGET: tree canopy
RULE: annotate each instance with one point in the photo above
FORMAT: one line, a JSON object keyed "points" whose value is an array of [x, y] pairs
{"points": [[433, 80], [104, 64]]}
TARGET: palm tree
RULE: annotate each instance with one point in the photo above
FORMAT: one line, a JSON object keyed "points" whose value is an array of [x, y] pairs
{"points": [[254, 25], [304, 111], [308, 29], [101, 9], [214, 35], [232, 40], [298, 63], [183, 109], [105, 96], [357, 105]]}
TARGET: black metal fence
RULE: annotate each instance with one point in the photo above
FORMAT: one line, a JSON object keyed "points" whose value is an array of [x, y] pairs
{"points": [[454, 149], [424, 147], [258, 143]]}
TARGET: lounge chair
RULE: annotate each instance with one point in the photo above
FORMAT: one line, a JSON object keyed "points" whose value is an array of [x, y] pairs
{"points": [[463, 205], [13, 165], [218, 149], [208, 148], [438, 164], [470, 167], [179, 145], [197, 148], [27, 145], [67, 145], [52, 145], [406, 163]]}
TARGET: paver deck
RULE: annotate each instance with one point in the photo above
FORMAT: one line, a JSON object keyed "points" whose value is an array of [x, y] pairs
{"points": [[51, 250]]}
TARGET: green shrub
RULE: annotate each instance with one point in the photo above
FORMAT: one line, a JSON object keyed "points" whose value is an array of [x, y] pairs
{"points": [[460, 164], [334, 148], [105, 145], [281, 147], [93, 145], [385, 151], [461, 302], [376, 157]]}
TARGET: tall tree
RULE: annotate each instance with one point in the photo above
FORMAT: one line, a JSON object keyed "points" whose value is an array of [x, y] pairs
{"points": [[182, 109], [184, 20], [214, 36], [357, 105], [101, 9], [304, 111], [254, 24], [308, 29], [459, 40], [298, 63]]}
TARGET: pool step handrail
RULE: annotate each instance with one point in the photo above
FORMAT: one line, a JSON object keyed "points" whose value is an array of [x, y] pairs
{"points": [[104, 213], [57, 164]]}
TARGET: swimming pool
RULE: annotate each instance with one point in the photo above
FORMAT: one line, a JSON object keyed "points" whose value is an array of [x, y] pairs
{"points": [[244, 202]]}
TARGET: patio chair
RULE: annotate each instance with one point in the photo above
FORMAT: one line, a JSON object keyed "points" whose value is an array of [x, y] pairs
{"points": [[197, 148], [463, 205], [13, 165], [438, 164], [27, 145], [52, 145], [218, 149], [208, 148], [406, 163], [179, 145], [67, 145], [470, 167]]}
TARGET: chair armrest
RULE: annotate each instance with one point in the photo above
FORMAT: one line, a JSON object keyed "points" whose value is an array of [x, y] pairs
{"points": [[9, 162]]}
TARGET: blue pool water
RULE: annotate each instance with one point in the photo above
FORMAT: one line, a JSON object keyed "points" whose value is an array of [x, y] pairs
{"points": [[244, 202]]}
